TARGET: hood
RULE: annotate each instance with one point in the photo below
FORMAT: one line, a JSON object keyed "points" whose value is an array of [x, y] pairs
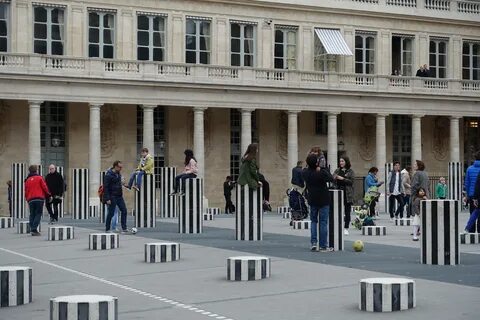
{"points": [[476, 163]]}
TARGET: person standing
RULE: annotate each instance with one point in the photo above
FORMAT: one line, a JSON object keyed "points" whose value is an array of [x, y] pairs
{"points": [[470, 227], [395, 191], [344, 177], [441, 190], [227, 193], [190, 171], [297, 179], [469, 184], [371, 182], [420, 180], [36, 191], [419, 196], [113, 196], [248, 174], [407, 188], [56, 185], [146, 166], [9, 197]]}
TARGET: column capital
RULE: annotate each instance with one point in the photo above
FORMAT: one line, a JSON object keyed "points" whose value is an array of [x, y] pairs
{"points": [[417, 116], [148, 106], [382, 115], [296, 112], [333, 113], [35, 103], [455, 117], [199, 109], [245, 110], [95, 105]]}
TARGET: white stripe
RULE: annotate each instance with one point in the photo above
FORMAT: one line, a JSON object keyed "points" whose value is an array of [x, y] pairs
{"points": [[333, 42], [12, 288], [403, 296], [387, 297]]}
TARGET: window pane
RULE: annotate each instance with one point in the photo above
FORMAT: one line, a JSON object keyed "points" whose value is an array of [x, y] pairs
{"points": [[158, 39], [142, 38], [40, 31], [190, 26], [191, 57], [248, 46], [3, 11], [108, 52], [433, 46], [56, 32], [433, 59], [57, 48], [358, 42], [279, 36], [93, 51], [248, 60], [158, 55], [108, 21], [442, 73], [142, 23], [442, 60], [204, 57], [249, 32], [279, 63], [235, 30], [3, 44], [407, 58], [476, 49], [191, 43], [442, 47], [476, 62], [292, 37], [407, 44], [466, 61], [358, 55], [3, 28], [93, 35], [235, 45], [107, 37], [40, 14], [370, 43], [466, 74], [204, 43], [370, 55], [235, 60], [279, 50], [158, 24], [205, 28], [93, 19], [40, 47], [57, 16], [142, 53]]}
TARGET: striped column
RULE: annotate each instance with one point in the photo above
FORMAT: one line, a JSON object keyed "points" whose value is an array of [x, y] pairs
{"points": [[19, 173], [470, 238], [145, 201], [248, 268], [374, 231], [103, 241], [336, 220], [167, 203], [93, 211], [84, 307], [283, 209], [190, 206], [455, 180], [387, 294], [60, 233], [214, 211], [302, 224], [6, 222], [162, 252], [80, 197], [23, 227], [403, 222], [208, 217], [61, 207], [249, 213], [439, 232], [287, 215], [15, 286]]}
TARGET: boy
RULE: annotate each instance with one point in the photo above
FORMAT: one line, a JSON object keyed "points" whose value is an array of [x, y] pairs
{"points": [[146, 166]]}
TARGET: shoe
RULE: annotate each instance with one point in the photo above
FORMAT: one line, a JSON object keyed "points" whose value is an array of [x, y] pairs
{"points": [[345, 232], [415, 239], [36, 234], [313, 248], [124, 232], [328, 249]]}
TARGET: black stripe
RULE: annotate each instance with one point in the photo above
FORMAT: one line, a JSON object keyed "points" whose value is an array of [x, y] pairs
{"points": [[60, 234], [434, 230], [457, 250], [83, 311], [4, 289], [446, 232], [104, 242], [163, 253], [238, 270], [190, 190], [153, 253], [20, 287], [63, 310], [424, 231], [377, 297], [396, 297], [251, 269], [252, 201], [103, 311], [259, 213], [116, 309], [145, 253], [229, 272], [410, 295], [30, 285], [173, 248], [51, 309], [242, 211], [363, 296], [264, 268]]}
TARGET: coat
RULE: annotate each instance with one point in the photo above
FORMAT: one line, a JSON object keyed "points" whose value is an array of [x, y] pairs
{"points": [[420, 180], [248, 174], [149, 165], [471, 178], [347, 184], [112, 185], [35, 188], [391, 182], [316, 184], [55, 183], [406, 182]]}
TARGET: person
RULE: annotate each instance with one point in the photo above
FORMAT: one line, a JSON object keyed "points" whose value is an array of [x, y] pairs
{"points": [[420, 195], [248, 174], [470, 227], [297, 179], [317, 151], [469, 185], [395, 191], [227, 193], [421, 72], [316, 179], [420, 179], [441, 189], [9, 197], [146, 166], [190, 171], [36, 191], [56, 185], [113, 196], [407, 188], [344, 177], [426, 71], [266, 192], [372, 181]]}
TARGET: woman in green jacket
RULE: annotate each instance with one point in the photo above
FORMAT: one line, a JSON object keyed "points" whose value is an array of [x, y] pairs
{"points": [[248, 169]]}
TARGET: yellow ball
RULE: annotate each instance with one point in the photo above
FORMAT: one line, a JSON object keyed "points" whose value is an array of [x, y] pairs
{"points": [[358, 246]]}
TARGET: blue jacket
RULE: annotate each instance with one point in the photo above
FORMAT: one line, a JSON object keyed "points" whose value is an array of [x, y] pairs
{"points": [[112, 185], [297, 178], [370, 181], [471, 178]]}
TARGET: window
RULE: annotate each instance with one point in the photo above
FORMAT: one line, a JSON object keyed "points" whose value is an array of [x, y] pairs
{"points": [[365, 53], [285, 48], [402, 55], [151, 39], [322, 60], [52, 133], [438, 58], [197, 41], [48, 30], [471, 60], [402, 139], [242, 47], [321, 123], [4, 27], [235, 134], [101, 35]]}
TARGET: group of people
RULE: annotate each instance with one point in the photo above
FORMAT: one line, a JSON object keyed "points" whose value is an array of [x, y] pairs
{"points": [[423, 72]]}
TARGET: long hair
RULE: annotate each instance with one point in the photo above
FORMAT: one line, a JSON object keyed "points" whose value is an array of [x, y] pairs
{"points": [[420, 165], [316, 150], [348, 164], [188, 156], [251, 152]]}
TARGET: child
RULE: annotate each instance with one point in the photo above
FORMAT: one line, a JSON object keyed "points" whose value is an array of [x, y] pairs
{"points": [[190, 171], [9, 190], [146, 166], [421, 195], [441, 189]]}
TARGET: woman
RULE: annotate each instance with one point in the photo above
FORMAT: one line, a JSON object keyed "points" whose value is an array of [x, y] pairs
{"points": [[420, 179], [248, 174], [321, 162], [190, 171], [344, 176], [371, 181]]}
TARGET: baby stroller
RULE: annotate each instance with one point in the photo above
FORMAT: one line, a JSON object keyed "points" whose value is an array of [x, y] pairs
{"points": [[371, 195], [298, 206], [361, 217]]}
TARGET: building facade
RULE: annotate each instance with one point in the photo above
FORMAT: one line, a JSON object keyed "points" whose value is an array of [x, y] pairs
{"points": [[84, 83]]}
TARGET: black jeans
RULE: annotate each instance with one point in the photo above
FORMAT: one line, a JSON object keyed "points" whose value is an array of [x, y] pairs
{"points": [[372, 208], [229, 207], [391, 205], [348, 210], [182, 176], [406, 201], [36, 210], [53, 213], [476, 226]]}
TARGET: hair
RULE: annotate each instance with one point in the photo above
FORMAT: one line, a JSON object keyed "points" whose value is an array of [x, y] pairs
{"points": [[477, 155], [9, 182], [116, 163], [145, 150], [395, 163], [299, 163], [373, 170], [348, 164], [421, 189], [315, 150], [188, 156], [33, 168], [420, 165], [251, 152], [312, 161], [408, 168], [229, 178]]}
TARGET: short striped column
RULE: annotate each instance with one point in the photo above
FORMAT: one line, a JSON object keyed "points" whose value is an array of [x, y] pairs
{"points": [[207, 217], [301, 225], [403, 222], [60, 233], [167, 203], [387, 294], [249, 213], [287, 215], [455, 180], [190, 206], [103, 241], [214, 211], [374, 231], [24, 227], [19, 174], [162, 252], [15, 286], [79, 194], [145, 202], [248, 268], [61, 207], [470, 238], [6, 222], [84, 307], [336, 220], [283, 209], [439, 232], [93, 211]]}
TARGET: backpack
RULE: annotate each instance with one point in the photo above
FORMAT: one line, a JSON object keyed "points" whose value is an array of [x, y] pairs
{"points": [[297, 205], [101, 193]]}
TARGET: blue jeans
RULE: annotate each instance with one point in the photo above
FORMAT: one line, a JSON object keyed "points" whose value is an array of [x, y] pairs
{"points": [[115, 219], [471, 222], [136, 177], [319, 214], [120, 203], [182, 176], [36, 211]]}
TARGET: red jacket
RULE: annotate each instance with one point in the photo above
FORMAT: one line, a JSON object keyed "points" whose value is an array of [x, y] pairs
{"points": [[36, 188]]}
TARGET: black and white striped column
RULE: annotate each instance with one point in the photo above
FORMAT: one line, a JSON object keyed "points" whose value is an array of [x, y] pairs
{"points": [[103, 241], [79, 194], [23, 227], [302, 224], [283, 209], [15, 286], [402, 222], [287, 215], [248, 268], [145, 202], [207, 217], [374, 231], [162, 252], [470, 238], [190, 206], [214, 211], [19, 174], [249, 213], [455, 181], [167, 203], [84, 307], [6, 222], [439, 232], [387, 294], [336, 220], [93, 211], [60, 233]]}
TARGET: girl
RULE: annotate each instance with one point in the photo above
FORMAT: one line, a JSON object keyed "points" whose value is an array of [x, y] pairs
{"points": [[248, 169], [441, 189], [190, 171], [371, 181], [344, 176], [419, 196]]}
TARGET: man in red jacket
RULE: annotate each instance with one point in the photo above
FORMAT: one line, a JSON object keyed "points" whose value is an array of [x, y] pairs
{"points": [[36, 191]]}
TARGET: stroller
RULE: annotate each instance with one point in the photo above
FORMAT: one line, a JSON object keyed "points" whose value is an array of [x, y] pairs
{"points": [[298, 206], [371, 195], [361, 217]]}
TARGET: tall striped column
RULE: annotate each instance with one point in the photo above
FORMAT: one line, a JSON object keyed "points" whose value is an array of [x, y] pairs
{"points": [[190, 206], [249, 213], [439, 232], [61, 207], [167, 203], [145, 202], [80, 197], [455, 180], [18, 190], [388, 169], [336, 220]]}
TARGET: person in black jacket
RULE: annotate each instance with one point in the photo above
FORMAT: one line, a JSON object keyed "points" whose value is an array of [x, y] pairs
{"points": [[297, 179], [316, 178], [113, 196], [56, 185], [227, 193]]}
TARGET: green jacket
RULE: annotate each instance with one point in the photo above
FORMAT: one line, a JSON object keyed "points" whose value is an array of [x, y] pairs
{"points": [[248, 174], [441, 190], [149, 165]]}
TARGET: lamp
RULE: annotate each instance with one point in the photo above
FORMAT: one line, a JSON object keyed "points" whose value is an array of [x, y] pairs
{"points": [[56, 141], [341, 146]]}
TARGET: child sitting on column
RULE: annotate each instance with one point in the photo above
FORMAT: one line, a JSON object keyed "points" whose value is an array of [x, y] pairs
{"points": [[190, 172], [146, 166], [421, 195]]}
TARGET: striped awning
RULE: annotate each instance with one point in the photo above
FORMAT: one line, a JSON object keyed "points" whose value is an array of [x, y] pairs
{"points": [[333, 42]]}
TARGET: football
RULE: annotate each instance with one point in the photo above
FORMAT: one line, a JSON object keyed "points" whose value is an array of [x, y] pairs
{"points": [[134, 230]]}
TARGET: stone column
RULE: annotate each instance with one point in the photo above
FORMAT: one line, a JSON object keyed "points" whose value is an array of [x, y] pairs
{"points": [[332, 143], [292, 142], [148, 128], [381, 155], [246, 134], [95, 152], [416, 137], [34, 144], [455, 139], [199, 139]]}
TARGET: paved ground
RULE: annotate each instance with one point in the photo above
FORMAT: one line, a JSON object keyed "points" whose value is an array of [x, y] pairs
{"points": [[304, 285]]}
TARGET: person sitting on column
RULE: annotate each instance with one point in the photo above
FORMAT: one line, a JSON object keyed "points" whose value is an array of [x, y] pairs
{"points": [[266, 193], [36, 191], [470, 179], [470, 227], [56, 185], [248, 173], [9, 196], [371, 186], [146, 166], [419, 196], [395, 191], [297, 179], [190, 172], [113, 196], [344, 177], [441, 189], [407, 187], [227, 193]]}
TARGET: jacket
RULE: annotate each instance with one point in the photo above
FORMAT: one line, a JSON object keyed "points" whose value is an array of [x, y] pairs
{"points": [[416, 206], [112, 185], [55, 183], [441, 190], [227, 188], [316, 183], [249, 174], [370, 181], [406, 182], [391, 182], [191, 167], [36, 188], [420, 180], [148, 165], [471, 178], [476, 194], [347, 184], [297, 178]]}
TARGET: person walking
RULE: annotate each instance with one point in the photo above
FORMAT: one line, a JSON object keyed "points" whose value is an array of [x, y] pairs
{"points": [[56, 185], [344, 177], [420, 180], [248, 174], [146, 166], [470, 227], [372, 184], [190, 171], [113, 196], [297, 179], [407, 188], [36, 191], [227, 193], [469, 185], [441, 189], [9, 197], [395, 192]]}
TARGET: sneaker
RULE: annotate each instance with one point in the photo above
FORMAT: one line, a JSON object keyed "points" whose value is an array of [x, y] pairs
{"points": [[124, 232], [313, 248], [415, 239], [36, 234], [328, 249], [345, 232]]}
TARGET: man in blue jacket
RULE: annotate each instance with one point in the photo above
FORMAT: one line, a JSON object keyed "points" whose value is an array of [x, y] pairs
{"points": [[470, 179], [113, 195]]}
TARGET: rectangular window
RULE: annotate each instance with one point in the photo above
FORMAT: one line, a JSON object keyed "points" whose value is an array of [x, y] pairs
{"points": [[364, 53], [471, 60], [235, 134], [197, 41], [151, 38], [285, 48], [321, 123], [101, 35], [4, 17], [48, 30], [242, 46], [438, 58], [53, 133], [402, 139], [323, 61], [402, 55]]}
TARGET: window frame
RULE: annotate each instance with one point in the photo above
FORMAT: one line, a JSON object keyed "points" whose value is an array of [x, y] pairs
{"points": [[151, 47], [436, 66], [364, 50], [101, 30], [471, 69], [49, 25], [242, 44], [198, 22], [6, 5], [285, 46], [322, 57], [403, 64]]}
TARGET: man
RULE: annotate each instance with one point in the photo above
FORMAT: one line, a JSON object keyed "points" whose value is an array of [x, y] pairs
{"points": [[227, 193], [476, 211], [113, 196], [9, 195], [56, 185], [470, 179], [36, 191], [146, 166], [426, 71], [297, 179], [420, 72], [395, 191], [407, 187]]}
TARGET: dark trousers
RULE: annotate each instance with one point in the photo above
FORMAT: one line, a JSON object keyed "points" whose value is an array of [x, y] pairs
{"points": [[52, 208], [391, 205], [266, 191], [406, 201], [180, 177], [476, 226], [371, 208], [348, 211], [229, 207], [120, 203], [36, 210]]}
